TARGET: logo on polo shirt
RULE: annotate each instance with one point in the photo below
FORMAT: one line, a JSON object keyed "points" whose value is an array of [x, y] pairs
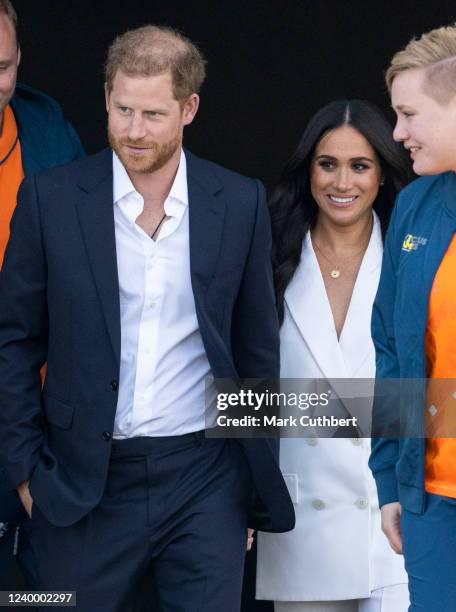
{"points": [[411, 242]]}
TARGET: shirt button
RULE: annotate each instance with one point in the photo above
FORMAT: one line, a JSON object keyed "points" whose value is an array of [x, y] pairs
{"points": [[361, 503], [114, 385], [318, 504], [106, 436]]}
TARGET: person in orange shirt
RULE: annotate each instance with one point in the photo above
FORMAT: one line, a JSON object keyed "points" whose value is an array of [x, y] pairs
{"points": [[414, 325], [25, 116], [11, 173]]}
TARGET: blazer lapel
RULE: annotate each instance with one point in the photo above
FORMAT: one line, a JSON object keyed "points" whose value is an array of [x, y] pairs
{"points": [[355, 340], [339, 360], [309, 306], [96, 217], [206, 216]]}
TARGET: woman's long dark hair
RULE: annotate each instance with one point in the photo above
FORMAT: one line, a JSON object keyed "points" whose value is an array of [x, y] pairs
{"points": [[292, 207]]}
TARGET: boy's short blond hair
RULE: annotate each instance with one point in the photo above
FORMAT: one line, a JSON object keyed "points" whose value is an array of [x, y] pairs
{"points": [[435, 51]]}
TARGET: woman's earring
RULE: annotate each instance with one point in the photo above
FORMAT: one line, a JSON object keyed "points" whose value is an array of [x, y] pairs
{"points": [[382, 182]]}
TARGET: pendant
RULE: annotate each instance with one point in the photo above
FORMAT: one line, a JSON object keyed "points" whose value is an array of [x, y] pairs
{"points": [[335, 273]]}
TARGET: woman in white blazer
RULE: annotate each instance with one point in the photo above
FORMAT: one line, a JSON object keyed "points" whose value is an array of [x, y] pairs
{"points": [[329, 214]]}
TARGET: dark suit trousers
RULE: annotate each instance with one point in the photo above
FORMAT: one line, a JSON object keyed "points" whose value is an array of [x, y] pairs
{"points": [[174, 509]]}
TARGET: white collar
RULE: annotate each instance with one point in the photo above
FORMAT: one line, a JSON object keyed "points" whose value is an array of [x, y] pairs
{"points": [[122, 185]]}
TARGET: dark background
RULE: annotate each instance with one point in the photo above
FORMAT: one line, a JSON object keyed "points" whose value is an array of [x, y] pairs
{"points": [[270, 66]]}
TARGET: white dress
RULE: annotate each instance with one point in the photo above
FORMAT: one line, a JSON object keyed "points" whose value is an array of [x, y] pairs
{"points": [[337, 550]]}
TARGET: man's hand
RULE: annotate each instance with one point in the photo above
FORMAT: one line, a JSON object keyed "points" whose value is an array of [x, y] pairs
{"points": [[25, 497], [391, 516], [250, 533]]}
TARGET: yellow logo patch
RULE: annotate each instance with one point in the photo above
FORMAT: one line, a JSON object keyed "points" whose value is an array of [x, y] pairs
{"points": [[411, 243]]}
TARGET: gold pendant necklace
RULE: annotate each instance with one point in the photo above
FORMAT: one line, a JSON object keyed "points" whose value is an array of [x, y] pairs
{"points": [[335, 272]]}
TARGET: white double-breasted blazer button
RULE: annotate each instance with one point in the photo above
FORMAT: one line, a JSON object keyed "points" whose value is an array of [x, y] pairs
{"points": [[318, 504], [312, 441], [361, 503], [356, 441]]}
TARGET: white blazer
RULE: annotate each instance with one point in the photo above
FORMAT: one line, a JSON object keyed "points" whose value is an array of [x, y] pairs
{"points": [[337, 549]]}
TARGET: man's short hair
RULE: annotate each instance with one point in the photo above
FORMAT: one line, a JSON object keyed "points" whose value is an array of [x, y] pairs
{"points": [[6, 8], [154, 50], [436, 51]]}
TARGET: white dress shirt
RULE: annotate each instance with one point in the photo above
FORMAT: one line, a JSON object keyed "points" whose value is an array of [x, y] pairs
{"points": [[163, 364]]}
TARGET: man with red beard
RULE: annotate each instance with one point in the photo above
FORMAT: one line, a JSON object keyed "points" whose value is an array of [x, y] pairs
{"points": [[139, 274]]}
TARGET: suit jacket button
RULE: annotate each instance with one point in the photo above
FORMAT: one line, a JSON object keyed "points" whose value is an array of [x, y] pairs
{"points": [[106, 436], [114, 385]]}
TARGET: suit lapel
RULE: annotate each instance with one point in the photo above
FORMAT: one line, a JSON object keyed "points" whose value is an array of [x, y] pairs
{"points": [[206, 216], [307, 301], [96, 217], [309, 306], [355, 340]]}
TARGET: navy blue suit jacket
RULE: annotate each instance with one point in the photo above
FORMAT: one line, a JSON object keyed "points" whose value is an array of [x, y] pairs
{"points": [[59, 302], [46, 140]]}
